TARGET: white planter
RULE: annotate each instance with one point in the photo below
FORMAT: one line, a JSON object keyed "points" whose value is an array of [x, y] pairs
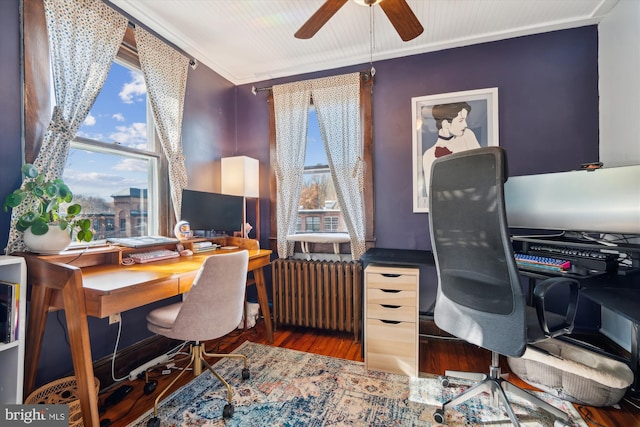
{"points": [[52, 242]]}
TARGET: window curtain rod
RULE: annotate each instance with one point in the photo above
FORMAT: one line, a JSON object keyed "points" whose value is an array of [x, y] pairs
{"points": [[364, 75], [133, 22]]}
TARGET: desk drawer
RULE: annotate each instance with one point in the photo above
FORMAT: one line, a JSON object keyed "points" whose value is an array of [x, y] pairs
{"points": [[390, 296], [391, 278], [102, 305], [391, 347], [391, 312]]}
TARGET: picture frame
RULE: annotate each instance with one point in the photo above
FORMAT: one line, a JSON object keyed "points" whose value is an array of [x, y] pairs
{"points": [[450, 131]]}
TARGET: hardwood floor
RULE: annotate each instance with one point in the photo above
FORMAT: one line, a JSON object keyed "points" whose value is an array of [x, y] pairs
{"points": [[436, 355]]}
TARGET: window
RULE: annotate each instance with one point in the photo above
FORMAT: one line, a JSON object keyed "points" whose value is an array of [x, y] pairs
{"points": [[366, 90], [318, 198], [113, 161]]}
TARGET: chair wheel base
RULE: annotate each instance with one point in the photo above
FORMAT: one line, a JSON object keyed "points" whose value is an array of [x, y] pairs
{"points": [[438, 416], [246, 374], [153, 422], [227, 411]]}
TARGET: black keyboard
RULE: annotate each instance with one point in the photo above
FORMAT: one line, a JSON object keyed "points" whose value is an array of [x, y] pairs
{"points": [[580, 258]]}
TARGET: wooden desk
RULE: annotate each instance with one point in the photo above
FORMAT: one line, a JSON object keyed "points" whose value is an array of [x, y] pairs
{"points": [[98, 285]]}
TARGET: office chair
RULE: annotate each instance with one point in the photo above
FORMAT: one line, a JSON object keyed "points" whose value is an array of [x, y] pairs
{"points": [[212, 308], [480, 298]]}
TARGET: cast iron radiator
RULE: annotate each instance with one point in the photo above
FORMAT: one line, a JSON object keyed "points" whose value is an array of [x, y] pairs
{"points": [[318, 294]]}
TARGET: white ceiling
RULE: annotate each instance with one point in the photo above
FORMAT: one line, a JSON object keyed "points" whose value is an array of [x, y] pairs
{"points": [[247, 41]]}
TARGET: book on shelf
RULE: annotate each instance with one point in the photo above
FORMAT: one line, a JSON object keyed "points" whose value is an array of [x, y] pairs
{"points": [[9, 311]]}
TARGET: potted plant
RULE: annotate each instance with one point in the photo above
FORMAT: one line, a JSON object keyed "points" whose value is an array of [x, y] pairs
{"points": [[51, 218]]}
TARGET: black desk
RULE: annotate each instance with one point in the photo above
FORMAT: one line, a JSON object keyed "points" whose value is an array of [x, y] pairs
{"points": [[620, 294]]}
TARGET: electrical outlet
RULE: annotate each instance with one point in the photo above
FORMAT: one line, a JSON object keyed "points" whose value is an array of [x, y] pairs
{"points": [[114, 318]]}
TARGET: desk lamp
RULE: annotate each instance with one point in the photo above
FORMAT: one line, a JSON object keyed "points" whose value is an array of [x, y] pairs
{"points": [[240, 177]]}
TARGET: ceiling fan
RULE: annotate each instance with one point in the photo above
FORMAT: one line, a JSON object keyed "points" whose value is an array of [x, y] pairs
{"points": [[398, 11]]}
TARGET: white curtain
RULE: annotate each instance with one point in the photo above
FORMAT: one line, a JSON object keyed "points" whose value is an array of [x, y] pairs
{"points": [[84, 36], [165, 73], [337, 103], [291, 108]]}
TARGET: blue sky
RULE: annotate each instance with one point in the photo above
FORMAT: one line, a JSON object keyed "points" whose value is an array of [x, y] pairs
{"points": [[117, 116]]}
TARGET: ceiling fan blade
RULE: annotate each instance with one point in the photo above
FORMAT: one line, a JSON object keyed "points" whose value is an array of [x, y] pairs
{"points": [[402, 18], [318, 19]]}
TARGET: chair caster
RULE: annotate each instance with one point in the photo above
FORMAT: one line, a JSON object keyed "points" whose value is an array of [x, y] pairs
{"points": [[438, 416], [227, 411], [153, 422], [246, 374], [444, 381], [561, 423]]}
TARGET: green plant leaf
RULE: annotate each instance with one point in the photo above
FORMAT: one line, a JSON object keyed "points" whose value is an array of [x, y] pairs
{"points": [[74, 209], [29, 170], [14, 199], [39, 227]]}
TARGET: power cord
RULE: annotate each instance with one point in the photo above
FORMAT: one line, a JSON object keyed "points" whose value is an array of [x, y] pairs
{"points": [[113, 358]]}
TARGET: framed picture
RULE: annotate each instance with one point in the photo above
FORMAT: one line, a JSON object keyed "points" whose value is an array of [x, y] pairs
{"points": [[448, 123]]}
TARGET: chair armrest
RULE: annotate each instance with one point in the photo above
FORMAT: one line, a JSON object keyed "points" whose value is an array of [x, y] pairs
{"points": [[539, 293]]}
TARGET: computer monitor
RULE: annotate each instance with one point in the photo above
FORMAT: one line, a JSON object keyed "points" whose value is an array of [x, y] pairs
{"points": [[212, 213], [601, 201]]}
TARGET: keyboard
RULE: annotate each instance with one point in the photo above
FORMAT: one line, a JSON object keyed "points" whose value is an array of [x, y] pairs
{"points": [[151, 256], [533, 262], [583, 258]]}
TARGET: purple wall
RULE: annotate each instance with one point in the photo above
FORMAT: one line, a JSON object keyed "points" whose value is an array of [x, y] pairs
{"points": [[10, 117], [548, 115]]}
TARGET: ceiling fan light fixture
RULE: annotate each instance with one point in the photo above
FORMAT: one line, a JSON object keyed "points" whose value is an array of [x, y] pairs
{"points": [[367, 2]]}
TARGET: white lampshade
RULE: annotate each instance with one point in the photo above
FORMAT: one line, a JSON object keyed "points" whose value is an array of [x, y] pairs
{"points": [[240, 176]]}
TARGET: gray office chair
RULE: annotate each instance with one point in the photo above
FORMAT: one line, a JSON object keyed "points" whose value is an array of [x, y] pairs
{"points": [[212, 308], [480, 298]]}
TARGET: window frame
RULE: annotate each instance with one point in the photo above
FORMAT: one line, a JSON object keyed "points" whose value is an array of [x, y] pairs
{"points": [[38, 101], [366, 121]]}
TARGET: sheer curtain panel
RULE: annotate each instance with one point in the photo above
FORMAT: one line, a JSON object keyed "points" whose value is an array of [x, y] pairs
{"points": [[84, 36], [291, 107], [165, 73]]}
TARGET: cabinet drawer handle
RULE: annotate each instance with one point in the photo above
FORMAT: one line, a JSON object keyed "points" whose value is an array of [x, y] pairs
{"points": [[390, 306], [391, 322], [391, 275], [390, 291]]}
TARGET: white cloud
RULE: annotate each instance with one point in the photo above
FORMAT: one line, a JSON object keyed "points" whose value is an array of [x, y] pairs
{"points": [[133, 89], [89, 120], [131, 165], [131, 136], [118, 116]]}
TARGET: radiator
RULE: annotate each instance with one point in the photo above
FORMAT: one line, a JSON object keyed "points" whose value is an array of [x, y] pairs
{"points": [[318, 294]]}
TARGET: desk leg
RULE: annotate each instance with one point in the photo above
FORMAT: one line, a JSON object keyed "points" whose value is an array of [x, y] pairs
{"points": [[37, 320], [78, 328], [263, 299]]}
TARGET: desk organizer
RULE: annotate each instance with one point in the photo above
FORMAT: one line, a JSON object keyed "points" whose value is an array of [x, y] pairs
{"points": [[573, 373]]}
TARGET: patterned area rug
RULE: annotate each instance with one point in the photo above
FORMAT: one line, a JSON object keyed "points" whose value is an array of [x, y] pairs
{"points": [[293, 388]]}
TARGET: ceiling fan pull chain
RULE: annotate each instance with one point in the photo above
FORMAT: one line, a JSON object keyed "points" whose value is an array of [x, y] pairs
{"points": [[371, 39]]}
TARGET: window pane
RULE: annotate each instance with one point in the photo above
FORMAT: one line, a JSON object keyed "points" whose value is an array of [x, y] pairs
{"points": [[318, 201], [112, 163]]}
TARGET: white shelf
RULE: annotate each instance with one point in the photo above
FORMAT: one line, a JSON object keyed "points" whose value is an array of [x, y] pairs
{"points": [[13, 269]]}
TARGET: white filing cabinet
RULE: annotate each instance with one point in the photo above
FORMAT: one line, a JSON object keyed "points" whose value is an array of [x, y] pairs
{"points": [[13, 269], [391, 319]]}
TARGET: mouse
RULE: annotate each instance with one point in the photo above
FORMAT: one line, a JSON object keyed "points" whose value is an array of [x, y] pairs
{"points": [[150, 386], [186, 252]]}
